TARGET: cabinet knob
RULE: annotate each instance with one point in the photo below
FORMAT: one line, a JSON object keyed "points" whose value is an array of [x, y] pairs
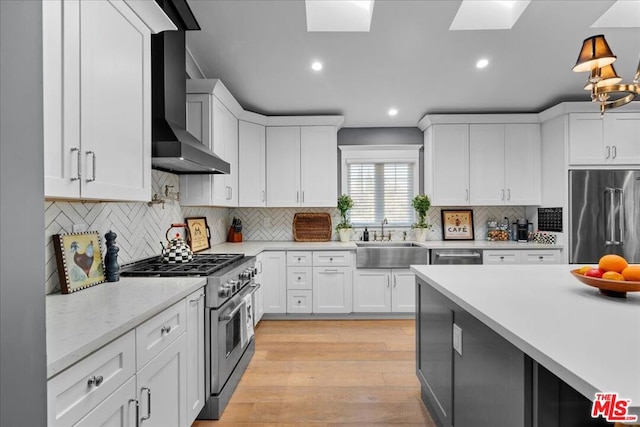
{"points": [[541, 257], [299, 278], [165, 329], [331, 259], [299, 259], [93, 380], [501, 258]]}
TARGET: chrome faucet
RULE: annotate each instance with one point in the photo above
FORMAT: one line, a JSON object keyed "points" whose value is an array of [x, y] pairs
{"points": [[384, 221]]}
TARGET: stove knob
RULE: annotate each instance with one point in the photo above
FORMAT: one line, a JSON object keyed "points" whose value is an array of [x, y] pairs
{"points": [[234, 285], [245, 275], [224, 290]]}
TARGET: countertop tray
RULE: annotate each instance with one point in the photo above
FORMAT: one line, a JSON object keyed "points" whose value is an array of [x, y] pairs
{"points": [[312, 227]]}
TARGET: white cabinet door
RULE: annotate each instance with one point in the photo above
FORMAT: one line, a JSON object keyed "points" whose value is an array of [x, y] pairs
{"points": [[102, 101], [283, 166], [117, 410], [251, 165], [258, 300], [299, 301], [162, 388], [318, 166], [522, 166], [274, 281], [586, 133], [195, 354], [332, 290], [372, 291], [622, 132], [403, 295], [486, 164], [447, 153], [195, 190], [225, 145]]}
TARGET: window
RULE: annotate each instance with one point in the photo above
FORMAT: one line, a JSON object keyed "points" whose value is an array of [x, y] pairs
{"points": [[382, 181]]}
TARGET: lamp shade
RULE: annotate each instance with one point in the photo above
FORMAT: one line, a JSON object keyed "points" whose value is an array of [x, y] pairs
{"points": [[606, 77], [595, 53]]}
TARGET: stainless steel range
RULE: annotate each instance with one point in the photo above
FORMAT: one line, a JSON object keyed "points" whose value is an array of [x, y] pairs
{"points": [[229, 343]]}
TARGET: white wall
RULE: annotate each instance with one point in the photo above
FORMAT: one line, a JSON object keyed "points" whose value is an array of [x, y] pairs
{"points": [[23, 389]]}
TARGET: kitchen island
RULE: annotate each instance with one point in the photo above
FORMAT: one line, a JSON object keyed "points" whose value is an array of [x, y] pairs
{"points": [[559, 326]]}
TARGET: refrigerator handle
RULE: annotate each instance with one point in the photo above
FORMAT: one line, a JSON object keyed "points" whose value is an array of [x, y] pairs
{"points": [[620, 209], [609, 200]]}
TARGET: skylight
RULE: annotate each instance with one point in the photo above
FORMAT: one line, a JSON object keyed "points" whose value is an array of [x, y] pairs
{"points": [[488, 15], [339, 15], [621, 14]]}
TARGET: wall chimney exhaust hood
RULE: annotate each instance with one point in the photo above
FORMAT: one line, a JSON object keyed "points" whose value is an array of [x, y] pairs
{"points": [[173, 149]]}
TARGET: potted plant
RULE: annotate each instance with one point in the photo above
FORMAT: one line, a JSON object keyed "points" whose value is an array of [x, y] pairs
{"points": [[345, 203], [421, 203]]}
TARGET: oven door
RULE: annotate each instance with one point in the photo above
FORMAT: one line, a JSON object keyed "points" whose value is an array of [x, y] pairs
{"points": [[232, 337]]}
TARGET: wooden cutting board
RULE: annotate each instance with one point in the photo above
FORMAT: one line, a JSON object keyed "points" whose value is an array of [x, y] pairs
{"points": [[312, 227]]}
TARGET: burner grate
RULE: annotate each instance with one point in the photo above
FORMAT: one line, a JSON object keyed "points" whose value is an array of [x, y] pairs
{"points": [[201, 265]]}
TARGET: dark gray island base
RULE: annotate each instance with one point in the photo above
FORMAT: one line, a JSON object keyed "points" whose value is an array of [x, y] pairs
{"points": [[481, 379]]}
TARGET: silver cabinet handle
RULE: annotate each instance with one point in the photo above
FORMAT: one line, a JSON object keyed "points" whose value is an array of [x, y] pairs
{"points": [[607, 150], [137, 410], [263, 194], [466, 198], [395, 280], [78, 154], [193, 301], [388, 281], [148, 390], [501, 258], [330, 270], [614, 152], [93, 155], [502, 194], [165, 329], [93, 380], [297, 196], [508, 194], [540, 257], [303, 197]]}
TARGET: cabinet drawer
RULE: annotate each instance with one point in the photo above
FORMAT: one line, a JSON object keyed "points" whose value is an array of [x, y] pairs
{"points": [[541, 257], [299, 301], [299, 277], [118, 406], [301, 258], [157, 333], [331, 258], [77, 390], [501, 257]]}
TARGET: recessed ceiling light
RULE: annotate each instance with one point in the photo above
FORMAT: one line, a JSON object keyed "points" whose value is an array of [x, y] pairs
{"points": [[482, 63], [316, 66], [393, 111]]}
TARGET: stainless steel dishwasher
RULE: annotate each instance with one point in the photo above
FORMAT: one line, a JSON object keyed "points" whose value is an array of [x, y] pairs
{"points": [[456, 256]]}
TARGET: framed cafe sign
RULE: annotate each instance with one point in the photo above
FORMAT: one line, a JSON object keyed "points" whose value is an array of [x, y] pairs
{"points": [[457, 224]]}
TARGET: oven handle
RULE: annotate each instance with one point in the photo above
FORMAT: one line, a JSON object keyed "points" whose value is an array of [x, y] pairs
{"points": [[227, 317]]}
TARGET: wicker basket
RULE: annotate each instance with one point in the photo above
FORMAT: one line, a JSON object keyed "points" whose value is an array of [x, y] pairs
{"points": [[312, 227]]}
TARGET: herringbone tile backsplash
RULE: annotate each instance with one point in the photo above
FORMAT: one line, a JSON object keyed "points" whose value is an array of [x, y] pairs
{"points": [[141, 228]]}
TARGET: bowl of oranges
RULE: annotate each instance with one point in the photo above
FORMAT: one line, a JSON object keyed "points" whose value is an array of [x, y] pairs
{"points": [[614, 276]]}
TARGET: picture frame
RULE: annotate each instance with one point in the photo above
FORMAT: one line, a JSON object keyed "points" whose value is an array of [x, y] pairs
{"points": [[457, 224], [79, 259], [198, 234]]}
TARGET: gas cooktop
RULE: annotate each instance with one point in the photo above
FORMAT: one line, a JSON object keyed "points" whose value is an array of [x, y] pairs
{"points": [[201, 265]]}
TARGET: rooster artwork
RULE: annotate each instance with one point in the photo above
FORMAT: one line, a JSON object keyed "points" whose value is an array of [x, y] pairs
{"points": [[85, 260], [79, 260]]}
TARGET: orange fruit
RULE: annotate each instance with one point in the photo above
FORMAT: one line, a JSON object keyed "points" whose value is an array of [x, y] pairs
{"points": [[612, 263], [632, 273], [612, 275], [584, 269]]}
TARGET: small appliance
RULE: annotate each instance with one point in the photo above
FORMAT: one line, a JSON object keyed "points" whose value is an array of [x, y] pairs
{"points": [[523, 227]]}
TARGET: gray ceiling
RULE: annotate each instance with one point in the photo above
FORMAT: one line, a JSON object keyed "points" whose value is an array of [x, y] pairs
{"points": [[410, 60]]}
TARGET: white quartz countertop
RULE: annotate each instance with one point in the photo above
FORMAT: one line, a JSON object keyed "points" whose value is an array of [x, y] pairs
{"points": [[255, 247], [81, 322], [590, 341]]}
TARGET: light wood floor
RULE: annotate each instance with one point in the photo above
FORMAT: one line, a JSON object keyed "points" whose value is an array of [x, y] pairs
{"points": [[326, 373]]}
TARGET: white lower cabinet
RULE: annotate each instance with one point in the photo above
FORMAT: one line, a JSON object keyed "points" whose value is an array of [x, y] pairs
{"points": [[258, 296], [274, 281], [518, 256], [195, 354], [384, 291], [299, 301], [162, 387], [332, 290], [159, 366]]}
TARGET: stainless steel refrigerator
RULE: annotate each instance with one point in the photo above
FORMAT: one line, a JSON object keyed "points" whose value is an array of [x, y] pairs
{"points": [[604, 215]]}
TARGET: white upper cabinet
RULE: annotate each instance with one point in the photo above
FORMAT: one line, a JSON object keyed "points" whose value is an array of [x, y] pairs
{"points": [[613, 139], [447, 164], [302, 166], [214, 124], [504, 166], [252, 190], [97, 99]]}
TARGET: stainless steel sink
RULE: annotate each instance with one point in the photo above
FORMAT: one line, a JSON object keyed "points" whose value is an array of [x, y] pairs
{"points": [[390, 254]]}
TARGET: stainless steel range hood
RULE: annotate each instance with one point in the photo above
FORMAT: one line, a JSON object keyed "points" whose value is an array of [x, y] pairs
{"points": [[173, 149]]}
